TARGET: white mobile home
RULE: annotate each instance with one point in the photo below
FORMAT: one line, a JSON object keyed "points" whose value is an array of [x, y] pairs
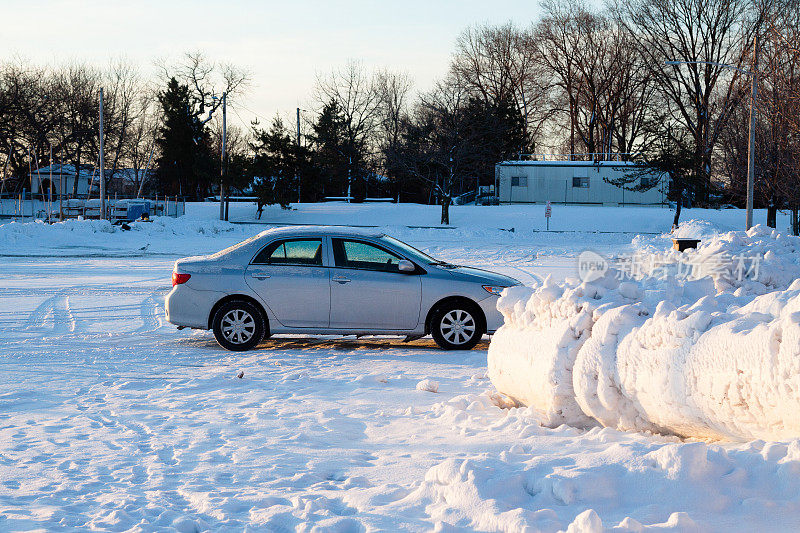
{"points": [[124, 181], [572, 182], [40, 180]]}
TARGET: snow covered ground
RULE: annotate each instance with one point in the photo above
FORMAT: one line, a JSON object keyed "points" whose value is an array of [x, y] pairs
{"points": [[569, 218], [111, 419]]}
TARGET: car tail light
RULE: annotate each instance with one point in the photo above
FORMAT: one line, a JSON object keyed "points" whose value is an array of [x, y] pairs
{"points": [[178, 279]]}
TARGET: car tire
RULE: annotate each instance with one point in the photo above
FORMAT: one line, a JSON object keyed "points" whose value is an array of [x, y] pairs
{"points": [[457, 326], [239, 325]]}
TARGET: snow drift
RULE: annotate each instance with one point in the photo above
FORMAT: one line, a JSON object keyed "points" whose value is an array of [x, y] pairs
{"points": [[711, 355]]}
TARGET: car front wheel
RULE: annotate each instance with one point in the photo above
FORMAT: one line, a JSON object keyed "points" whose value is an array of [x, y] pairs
{"points": [[456, 327], [238, 325]]}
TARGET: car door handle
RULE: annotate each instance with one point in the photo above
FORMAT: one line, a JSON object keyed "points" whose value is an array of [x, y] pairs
{"points": [[259, 275], [341, 280]]}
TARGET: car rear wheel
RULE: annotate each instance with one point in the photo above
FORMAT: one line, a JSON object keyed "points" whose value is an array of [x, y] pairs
{"points": [[456, 327], [238, 325]]}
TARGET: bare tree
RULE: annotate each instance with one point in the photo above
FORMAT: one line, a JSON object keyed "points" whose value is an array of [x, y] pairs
{"points": [[602, 84], [437, 144], [777, 147], [121, 108], [207, 81], [354, 91], [699, 94], [558, 39], [455, 138], [393, 93], [77, 87], [140, 143], [502, 63]]}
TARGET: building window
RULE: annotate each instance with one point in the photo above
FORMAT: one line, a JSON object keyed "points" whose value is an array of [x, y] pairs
{"points": [[649, 181], [519, 182], [581, 183]]}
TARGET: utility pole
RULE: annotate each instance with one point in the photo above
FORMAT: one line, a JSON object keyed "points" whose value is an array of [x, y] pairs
{"points": [[349, 166], [223, 212], [297, 159], [60, 189], [751, 158], [102, 165]]}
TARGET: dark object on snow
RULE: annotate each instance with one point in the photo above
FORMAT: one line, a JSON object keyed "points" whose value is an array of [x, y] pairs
{"points": [[684, 244], [240, 375], [124, 227]]}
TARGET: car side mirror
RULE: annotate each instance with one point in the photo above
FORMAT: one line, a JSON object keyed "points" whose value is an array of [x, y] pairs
{"points": [[406, 266]]}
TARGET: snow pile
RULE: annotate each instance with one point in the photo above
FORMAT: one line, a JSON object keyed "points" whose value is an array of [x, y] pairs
{"points": [[754, 262], [428, 385], [716, 356]]}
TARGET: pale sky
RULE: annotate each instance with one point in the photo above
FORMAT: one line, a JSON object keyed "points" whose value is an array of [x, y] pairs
{"points": [[283, 44]]}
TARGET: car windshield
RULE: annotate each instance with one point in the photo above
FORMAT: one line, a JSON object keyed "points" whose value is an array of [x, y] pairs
{"points": [[411, 251]]}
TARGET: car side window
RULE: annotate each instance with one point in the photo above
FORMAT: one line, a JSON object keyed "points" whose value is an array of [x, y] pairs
{"points": [[291, 252], [362, 255]]}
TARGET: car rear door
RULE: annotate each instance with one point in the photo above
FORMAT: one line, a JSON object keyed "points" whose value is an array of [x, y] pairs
{"points": [[368, 292], [291, 277]]}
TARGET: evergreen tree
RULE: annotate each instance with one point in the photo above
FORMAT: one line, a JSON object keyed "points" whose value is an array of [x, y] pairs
{"points": [[329, 143], [336, 159], [185, 165], [671, 159], [277, 164]]}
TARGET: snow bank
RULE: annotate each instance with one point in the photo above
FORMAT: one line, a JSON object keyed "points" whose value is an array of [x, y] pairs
{"points": [[161, 234], [710, 354]]}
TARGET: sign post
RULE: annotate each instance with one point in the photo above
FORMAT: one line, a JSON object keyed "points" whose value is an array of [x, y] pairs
{"points": [[548, 212]]}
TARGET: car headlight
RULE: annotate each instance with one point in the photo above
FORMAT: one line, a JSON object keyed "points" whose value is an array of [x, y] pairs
{"points": [[493, 289]]}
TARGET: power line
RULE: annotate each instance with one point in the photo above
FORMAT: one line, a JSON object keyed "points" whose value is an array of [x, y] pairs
{"points": [[246, 127], [266, 120]]}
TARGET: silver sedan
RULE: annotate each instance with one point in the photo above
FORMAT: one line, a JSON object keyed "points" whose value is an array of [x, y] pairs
{"points": [[326, 280]]}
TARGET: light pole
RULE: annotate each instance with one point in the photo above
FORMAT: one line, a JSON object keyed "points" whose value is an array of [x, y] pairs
{"points": [[223, 208], [297, 159], [102, 165], [751, 159]]}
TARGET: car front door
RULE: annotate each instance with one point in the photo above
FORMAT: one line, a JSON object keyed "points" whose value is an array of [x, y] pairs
{"points": [[368, 292], [290, 276]]}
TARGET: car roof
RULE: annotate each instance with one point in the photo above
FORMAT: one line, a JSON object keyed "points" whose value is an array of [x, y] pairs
{"points": [[306, 230]]}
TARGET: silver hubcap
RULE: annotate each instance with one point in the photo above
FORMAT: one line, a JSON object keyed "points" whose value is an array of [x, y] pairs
{"points": [[238, 326], [457, 327]]}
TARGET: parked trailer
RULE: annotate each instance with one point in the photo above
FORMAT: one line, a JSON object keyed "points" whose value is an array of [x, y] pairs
{"points": [[574, 182]]}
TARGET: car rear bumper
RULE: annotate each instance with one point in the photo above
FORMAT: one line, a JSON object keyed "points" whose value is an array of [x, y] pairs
{"points": [[190, 308]]}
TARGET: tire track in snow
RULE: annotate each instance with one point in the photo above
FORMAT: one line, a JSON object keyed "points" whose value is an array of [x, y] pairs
{"points": [[150, 312], [57, 311]]}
